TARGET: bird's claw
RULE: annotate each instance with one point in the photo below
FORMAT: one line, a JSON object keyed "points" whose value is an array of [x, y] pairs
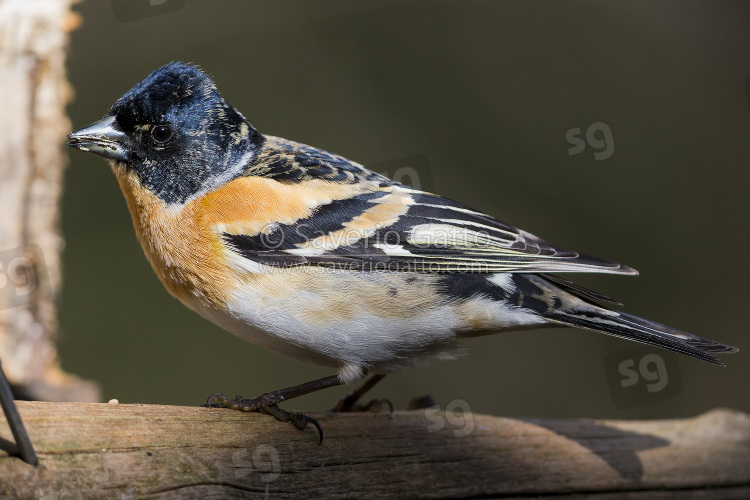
{"points": [[267, 404], [374, 406]]}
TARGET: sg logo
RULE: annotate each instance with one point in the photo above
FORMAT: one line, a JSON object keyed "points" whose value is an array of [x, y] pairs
{"points": [[411, 170], [641, 376], [126, 11], [598, 136], [23, 277], [651, 367], [457, 414], [263, 462]]}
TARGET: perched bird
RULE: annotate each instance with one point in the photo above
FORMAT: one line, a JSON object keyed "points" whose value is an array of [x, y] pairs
{"points": [[314, 256]]}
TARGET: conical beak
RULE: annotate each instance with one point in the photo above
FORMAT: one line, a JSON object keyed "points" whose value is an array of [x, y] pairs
{"points": [[103, 138]]}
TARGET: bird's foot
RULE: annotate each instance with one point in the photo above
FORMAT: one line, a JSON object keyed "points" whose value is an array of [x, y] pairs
{"points": [[349, 402], [346, 404], [265, 403]]}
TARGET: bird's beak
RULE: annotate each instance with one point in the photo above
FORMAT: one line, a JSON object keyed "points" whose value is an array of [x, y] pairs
{"points": [[103, 138]]}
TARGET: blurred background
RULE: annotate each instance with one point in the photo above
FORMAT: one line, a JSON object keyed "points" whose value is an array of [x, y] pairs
{"points": [[615, 128]]}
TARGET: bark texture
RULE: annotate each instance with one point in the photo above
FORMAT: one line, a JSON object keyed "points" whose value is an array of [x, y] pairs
{"points": [[109, 451], [33, 125]]}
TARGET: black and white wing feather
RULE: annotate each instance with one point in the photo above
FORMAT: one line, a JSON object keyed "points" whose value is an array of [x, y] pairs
{"points": [[383, 225]]}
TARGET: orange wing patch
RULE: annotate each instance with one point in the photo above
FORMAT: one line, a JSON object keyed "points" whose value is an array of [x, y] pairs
{"points": [[250, 205], [384, 212]]}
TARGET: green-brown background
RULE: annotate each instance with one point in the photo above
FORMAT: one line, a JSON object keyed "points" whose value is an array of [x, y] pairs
{"points": [[486, 91]]}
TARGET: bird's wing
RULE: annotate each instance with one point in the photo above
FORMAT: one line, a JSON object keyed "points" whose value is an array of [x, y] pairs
{"points": [[378, 224]]}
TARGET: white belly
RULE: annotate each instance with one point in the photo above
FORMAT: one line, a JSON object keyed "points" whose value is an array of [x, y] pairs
{"points": [[354, 322]]}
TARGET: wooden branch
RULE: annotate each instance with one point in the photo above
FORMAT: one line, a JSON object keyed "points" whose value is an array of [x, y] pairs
{"points": [[105, 450]]}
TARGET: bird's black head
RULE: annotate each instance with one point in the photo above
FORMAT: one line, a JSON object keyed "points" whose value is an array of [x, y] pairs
{"points": [[176, 132]]}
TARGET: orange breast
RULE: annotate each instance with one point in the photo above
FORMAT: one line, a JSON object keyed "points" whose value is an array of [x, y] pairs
{"points": [[184, 242]]}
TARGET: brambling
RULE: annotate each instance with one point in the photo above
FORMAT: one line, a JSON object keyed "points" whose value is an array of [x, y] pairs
{"points": [[314, 256]]}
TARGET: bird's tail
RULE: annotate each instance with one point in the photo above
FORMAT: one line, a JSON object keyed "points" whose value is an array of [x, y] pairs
{"points": [[642, 330], [578, 311]]}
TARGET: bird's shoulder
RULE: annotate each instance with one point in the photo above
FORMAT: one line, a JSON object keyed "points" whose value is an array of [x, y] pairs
{"points": [[289, 161]]}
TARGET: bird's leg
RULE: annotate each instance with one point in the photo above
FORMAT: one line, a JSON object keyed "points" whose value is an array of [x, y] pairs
{"points": [[268, 402], [349, 402]]}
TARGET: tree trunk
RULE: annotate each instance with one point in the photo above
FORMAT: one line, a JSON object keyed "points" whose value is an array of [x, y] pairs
{"points": [[33, 126]]}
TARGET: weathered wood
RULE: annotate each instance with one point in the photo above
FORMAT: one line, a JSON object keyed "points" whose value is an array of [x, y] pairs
{"points": [[104, 451], [33, 93]]}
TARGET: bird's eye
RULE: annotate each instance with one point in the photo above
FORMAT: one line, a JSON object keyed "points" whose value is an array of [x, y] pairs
{"points": [[161, 133]]}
